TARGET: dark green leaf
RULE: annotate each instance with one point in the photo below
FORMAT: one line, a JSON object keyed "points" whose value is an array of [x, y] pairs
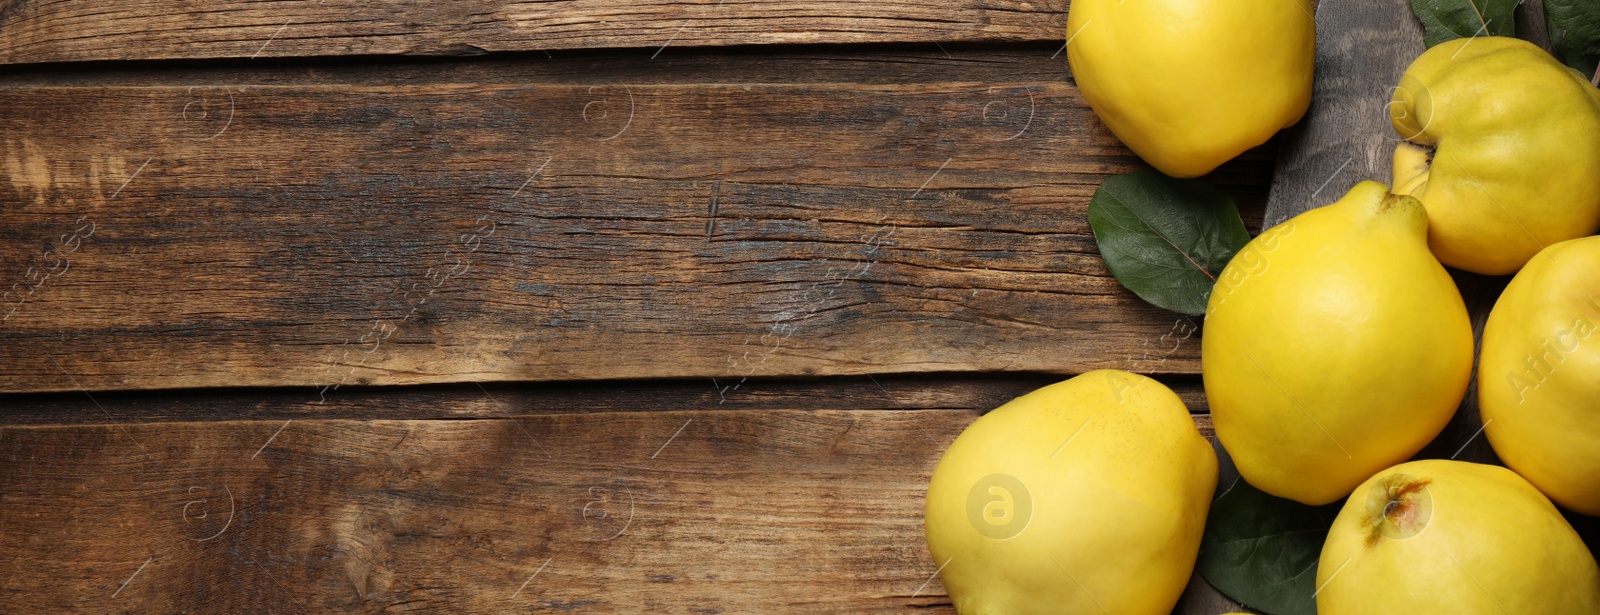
{"points": [[1262, 551], [1447, 20], [1575, 32], [1166, 239]]}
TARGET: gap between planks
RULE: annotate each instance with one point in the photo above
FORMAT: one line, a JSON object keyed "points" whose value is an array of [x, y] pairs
{"points": [[965, 392]]}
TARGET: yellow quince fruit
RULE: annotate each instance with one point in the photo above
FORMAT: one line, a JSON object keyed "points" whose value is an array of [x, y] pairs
{"points": [[1442, 536], [1190, 84], [1539, 374], [1335, 346], [1085, 495], [1502, 144]]}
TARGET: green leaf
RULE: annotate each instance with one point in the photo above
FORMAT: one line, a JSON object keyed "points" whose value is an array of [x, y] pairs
{"points": [[1447, 20], [1166, 239], [1262, 551], [1575, 32]]}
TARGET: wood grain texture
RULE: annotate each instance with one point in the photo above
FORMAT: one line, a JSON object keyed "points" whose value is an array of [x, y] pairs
{"points": [[705, 512], [33, 31], [254, 243], [322, 235]]}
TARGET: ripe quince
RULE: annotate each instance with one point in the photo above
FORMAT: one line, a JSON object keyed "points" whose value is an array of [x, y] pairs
{"points": [[1539, 374], [1190, 84], [1085, 496], [1502, 144], [1441, 536], [1335, 346]]}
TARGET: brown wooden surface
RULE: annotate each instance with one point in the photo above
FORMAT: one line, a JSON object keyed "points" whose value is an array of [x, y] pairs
{"points": [[762, 509], [345, 173], [806, 239], [322, 235], [34, 31]]}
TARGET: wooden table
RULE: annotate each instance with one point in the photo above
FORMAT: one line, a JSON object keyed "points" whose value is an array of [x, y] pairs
{"points": [[494, 307]]}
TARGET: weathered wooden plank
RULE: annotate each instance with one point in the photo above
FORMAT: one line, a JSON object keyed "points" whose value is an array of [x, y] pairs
{"points": [[77, 30], [83, 30], [167, 237], [732, 512]]}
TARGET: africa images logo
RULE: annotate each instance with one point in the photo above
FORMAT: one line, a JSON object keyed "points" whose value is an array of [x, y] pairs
{"points": [[999, 506]]}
